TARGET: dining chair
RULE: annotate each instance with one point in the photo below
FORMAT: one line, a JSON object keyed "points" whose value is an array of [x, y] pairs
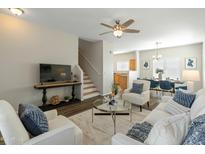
{"points": [[154, 85], [166, 86]]}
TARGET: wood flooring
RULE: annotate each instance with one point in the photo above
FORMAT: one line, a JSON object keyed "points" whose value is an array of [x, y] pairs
{"points": [[72, 109]]}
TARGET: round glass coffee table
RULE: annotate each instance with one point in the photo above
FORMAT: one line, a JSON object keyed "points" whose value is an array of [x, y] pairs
{"points": [[120, 108]]}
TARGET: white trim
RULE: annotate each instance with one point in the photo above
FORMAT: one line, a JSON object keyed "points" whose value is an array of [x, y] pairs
{"points": [[105, 94]]}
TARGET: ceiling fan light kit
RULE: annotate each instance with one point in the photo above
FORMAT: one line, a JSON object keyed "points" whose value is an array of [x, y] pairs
{"points": [[117, 33], [16, 11], [118, 29]]}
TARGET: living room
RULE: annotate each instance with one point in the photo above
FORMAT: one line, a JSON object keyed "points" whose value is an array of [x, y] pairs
{"points": [[125, 78]]}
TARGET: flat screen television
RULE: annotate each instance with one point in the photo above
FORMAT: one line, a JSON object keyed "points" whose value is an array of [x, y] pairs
{"points": [[54, 73]]}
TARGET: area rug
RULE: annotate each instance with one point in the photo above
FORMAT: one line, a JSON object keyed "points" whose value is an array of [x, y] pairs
{"points": [[100, 132]]}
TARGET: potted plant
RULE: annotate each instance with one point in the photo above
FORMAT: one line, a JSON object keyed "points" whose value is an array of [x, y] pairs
{"points": [[115, 89], [67, 98]]}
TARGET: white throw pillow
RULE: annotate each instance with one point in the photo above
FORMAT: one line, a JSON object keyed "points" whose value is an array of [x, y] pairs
{"points": [[174, 108], [198, 107], [169, 131]]}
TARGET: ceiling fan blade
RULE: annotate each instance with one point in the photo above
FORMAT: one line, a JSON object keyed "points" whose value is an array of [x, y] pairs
{"points": [[106, 33], [106, 25], [131, 31], [128, 23]]}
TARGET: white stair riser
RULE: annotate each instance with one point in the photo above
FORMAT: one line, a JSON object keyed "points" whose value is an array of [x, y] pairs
{"points": [[86, 81], [88, 85], [89, 90], [91, 95]]}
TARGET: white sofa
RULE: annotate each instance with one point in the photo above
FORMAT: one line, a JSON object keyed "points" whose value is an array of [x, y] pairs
{"points": [[62, 131], [138, 99], [198, 108]]}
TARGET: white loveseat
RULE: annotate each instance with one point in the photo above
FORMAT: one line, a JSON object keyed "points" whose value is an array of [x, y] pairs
{"points": [[62, 131], [198, 108]]}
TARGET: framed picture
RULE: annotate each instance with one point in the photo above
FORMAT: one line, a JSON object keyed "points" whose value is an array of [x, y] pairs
{"points": [[190, 63], [146, 65]]}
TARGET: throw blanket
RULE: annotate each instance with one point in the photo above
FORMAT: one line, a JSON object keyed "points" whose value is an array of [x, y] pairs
{"points": [[140, 131]]}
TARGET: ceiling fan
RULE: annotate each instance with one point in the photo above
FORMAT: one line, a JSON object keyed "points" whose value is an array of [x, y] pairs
{"points": [[118, 28]]}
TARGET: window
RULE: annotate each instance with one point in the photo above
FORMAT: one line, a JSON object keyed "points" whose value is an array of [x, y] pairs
{"points": [[123, 66], [170, 66]]}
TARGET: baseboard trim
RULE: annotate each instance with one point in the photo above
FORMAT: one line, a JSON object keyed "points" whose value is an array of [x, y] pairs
{"points": [[106, 94]]}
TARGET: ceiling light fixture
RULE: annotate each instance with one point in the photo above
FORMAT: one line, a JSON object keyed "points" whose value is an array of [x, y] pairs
{"points": [[118, 29], [157, 56], [117, 33], [16, 11]]}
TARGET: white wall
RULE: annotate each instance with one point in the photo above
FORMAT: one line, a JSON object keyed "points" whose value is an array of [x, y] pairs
{"points": [[182, 52], [123, 57], [126, 57], [107, 67], [23, 45]]}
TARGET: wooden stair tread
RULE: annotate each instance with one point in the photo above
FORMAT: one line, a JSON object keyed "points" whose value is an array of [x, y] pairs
{"points": [[90, 82], [93, 86]]}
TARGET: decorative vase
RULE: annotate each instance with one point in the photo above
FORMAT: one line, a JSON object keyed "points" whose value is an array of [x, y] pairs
{"points": [[160, 76]]}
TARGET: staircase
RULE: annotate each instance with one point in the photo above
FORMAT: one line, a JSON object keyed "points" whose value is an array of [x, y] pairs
{"points": [[89, 89]]}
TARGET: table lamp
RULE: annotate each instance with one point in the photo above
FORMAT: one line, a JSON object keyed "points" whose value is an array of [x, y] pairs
{"points": [[190, 76]]}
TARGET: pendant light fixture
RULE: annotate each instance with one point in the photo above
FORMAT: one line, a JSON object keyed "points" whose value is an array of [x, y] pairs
{"points": [[157, 56]]}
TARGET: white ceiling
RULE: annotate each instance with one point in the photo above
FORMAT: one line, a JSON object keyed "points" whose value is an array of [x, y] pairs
{"points": [[172, 27]]}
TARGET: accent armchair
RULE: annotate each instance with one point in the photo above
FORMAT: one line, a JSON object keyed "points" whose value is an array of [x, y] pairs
{"points": [[62, 131], [138, 99]]}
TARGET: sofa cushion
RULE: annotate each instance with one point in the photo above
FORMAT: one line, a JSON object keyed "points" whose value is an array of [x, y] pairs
{"points": [[175, 108], [11, 127], [134, 98], [196, 133], [200, 92], [185, 99], [156, 115], [33, 119], [59, 122], [137, 88], [198, 107], [169, 131], [161, 106], [140, 131]]}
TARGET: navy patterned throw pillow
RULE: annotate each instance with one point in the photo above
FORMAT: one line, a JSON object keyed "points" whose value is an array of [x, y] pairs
{"points": [[137, 88], [33, 119], [140, 131], [184, 99], [196, 133]]}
